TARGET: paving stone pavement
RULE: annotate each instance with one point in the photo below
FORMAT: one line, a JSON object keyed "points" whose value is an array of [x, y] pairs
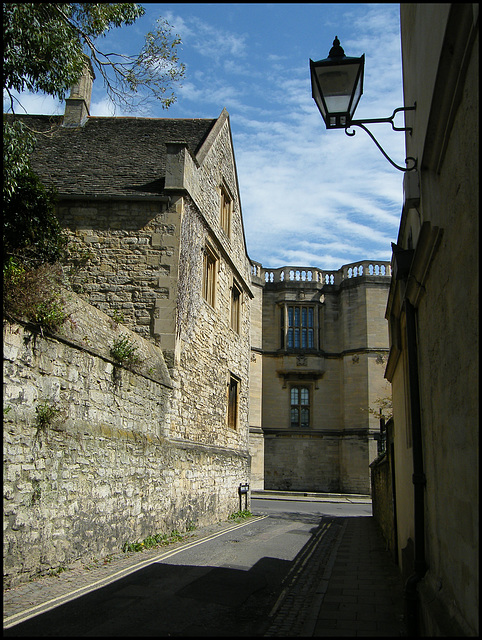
{"points": [[346, 585]]}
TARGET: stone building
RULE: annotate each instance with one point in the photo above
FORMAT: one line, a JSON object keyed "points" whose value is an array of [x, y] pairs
{"points": [[154, 207], [433, 320], [245, 374], [319, 348]]}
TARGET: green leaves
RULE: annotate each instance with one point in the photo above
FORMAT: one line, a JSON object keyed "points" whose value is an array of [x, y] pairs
{"points": [[33, 295], [42, 51], [45, 43], [46, 412], [96, 19], [31, 231], [239, 516], [18, 143], [123, 351], [159, 539]]}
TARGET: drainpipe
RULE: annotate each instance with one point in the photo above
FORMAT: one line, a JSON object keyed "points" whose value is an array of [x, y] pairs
{"points": [[418, 477]]}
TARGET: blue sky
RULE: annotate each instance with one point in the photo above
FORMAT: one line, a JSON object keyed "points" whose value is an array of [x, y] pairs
{"points": [[309, 197]]}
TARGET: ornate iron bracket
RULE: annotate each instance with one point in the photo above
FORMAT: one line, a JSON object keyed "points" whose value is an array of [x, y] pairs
{"points": [[362, 123]]}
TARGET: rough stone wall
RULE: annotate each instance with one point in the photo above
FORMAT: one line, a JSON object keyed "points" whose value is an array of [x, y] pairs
{"points": [[131, 246], [102, 472], [256, 438], [256, 451], [256, 361], [383, 499], [146, 261], [208, 350], [317, 462], [76, 371], [146, 264], [218, 166], [302, 463]]}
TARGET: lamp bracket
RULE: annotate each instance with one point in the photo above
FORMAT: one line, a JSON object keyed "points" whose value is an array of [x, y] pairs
{"points": [[362, 123]]}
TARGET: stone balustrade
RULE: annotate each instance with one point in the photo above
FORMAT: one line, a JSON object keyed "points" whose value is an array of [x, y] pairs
{"points": [[368, 268]]}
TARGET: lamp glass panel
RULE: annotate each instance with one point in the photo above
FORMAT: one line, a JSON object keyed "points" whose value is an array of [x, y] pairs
{"points": [[337, 85], [316, 94], [356, 96]]}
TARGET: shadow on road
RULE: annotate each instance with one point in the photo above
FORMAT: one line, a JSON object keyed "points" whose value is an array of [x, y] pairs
{"points": [[168, 600]]}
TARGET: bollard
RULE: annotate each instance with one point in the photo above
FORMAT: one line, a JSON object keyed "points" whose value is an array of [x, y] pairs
{"points": [[243, 489]]}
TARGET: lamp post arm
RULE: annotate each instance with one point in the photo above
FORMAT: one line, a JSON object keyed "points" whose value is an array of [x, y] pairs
{"points": [[362, 126], [362, 123], [390, 119]]}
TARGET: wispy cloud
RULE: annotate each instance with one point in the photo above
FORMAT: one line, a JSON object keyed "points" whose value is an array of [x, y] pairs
{"points": [[310, 188], [298, 180], [206, 39]]}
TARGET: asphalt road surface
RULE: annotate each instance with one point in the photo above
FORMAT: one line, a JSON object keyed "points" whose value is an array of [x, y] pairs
{"points": [[225, 586]]}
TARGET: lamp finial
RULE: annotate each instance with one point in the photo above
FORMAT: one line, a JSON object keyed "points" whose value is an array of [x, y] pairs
{"points": [[336, 51]]}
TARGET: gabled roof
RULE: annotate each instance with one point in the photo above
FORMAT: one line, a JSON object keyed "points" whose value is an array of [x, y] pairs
{"points": [[110, 156]]}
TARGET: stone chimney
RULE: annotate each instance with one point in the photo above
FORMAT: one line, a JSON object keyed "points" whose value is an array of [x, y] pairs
{"points": [[77, 106]]}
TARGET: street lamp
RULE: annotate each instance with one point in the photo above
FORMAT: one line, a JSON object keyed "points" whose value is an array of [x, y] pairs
{"points": [[337, 86]]}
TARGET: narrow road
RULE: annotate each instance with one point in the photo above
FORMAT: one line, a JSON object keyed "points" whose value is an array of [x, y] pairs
{"points": [[234, 584]]}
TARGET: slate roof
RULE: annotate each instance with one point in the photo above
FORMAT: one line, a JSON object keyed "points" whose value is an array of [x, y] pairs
{"points": [[114, 156]]}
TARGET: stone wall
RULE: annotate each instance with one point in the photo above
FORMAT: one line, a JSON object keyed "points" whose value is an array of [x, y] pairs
{"points": [[383, 500], [439, 292], [155, 446], [131, 246], [146, 265], [208, 350], [320, 462], [103, 471], [302, 463]]}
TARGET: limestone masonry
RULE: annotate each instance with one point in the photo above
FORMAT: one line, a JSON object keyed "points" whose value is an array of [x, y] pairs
{"points": [[319, 348], [105, 471]]}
